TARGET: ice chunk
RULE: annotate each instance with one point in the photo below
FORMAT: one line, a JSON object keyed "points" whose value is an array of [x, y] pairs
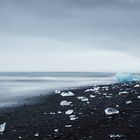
{"points": [[126, 78], [114, 136], [57, 91], [2, 127], [137, 85], [123, 92], [129, 102], [65, 103], [83, 99], [69, 93], [89, 90], [92, 96], [59, 112], [56, 130], [67, 126], [138, 97], [110, 111], [52, 113], [36, 135], [68, 112]]}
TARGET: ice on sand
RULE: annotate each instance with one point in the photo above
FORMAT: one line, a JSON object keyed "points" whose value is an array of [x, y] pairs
{"points": [[82, 98], [65, 103], [111, 111], [123, 92], [57, 91], [2, 127], [129, 102], [114, 136], [137, 85], [89, 90], [68, 112], [69, 93]]}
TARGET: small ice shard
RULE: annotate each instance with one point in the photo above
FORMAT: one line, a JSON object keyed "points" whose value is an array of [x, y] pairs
{"points": [[110, 111], [69, 93], [68, 112], [117, 105], [57, 91], [104, 94], [52, 113], [105, 87], [45, 113], [83, 99], [123, 92], [20, 137], [67, 126], [2, 127], [138, 97], [114, 136], [92, 96], [59, 112], [65, 103], [129, 102], [73, 118], [96, 88], [56, 130], [89, 90], [36, 135], [108, 96], [137, 85]]}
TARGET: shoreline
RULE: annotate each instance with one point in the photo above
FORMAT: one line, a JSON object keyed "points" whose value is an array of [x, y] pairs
{"points": [[48, 117]]}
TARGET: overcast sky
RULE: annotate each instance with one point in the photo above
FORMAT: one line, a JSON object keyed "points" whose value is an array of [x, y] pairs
{"points": [[70, 35]]}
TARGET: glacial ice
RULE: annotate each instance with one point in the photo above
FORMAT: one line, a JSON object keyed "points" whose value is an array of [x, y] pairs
{"points": [[68, 112], [65, 103], [127, 77], [110, 111], [69, 93], [2, 127]]}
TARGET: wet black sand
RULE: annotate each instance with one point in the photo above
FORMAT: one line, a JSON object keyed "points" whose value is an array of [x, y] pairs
{"points": [[46, 119]]}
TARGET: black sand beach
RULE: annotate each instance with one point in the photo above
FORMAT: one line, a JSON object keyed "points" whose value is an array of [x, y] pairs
{"points": [[81, 115]]}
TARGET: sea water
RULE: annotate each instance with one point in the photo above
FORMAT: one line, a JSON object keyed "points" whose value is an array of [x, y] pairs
{"points": [[14, 86]]}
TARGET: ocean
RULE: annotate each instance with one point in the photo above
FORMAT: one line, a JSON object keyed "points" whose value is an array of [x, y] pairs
{"points": [[16, 86]]}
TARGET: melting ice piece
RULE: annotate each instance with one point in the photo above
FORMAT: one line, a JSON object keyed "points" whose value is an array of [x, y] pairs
{"points": [[59, 112], [36, 135], [110, 111], [96, 88], [82, 98], [129, 102], [68, 126], [92, 96], [123, 92], [138, 97], [65, 103], [126, 78], [56, 130], [68, 112], [69, 93], [57, 91], [113, 136], [137, 85], [2, 127], [88, 90], [52, 113]]}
